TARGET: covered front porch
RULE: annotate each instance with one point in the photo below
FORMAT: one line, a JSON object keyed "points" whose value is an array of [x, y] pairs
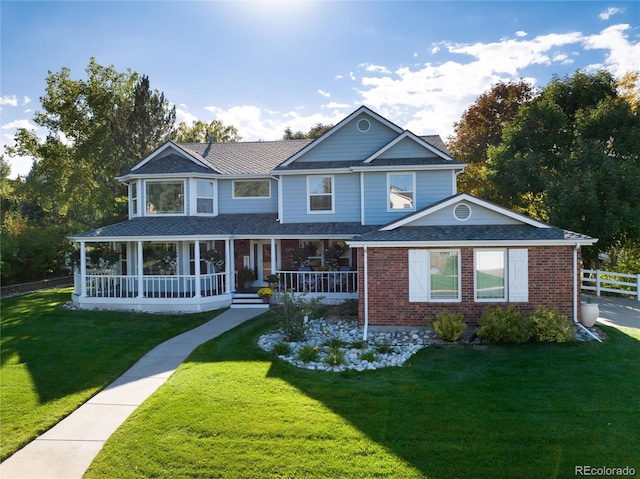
{"points": [[192, 275]]}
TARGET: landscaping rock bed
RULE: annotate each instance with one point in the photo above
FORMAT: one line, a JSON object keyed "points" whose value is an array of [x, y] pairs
{"points": [[388, 348]]}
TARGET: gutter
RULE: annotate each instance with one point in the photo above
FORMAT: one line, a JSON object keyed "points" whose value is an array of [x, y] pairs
{"points": [[575, 295]]}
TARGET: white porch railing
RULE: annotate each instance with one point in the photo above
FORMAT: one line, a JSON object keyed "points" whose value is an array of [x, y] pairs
{"points": [[319, 281], [599, 281], [153, 286]]}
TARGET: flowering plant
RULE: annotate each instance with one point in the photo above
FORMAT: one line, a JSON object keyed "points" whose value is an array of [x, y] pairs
{"points": [[103, 258], [215, 259], [265, 292], [169, 258]]}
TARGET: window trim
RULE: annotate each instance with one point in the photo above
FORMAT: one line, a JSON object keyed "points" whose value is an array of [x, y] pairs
{"points": [[428, 298], [134, 199], [505, 275], [212, 197], [388, 191], [146, 197], [332, 195], [233, 189]]}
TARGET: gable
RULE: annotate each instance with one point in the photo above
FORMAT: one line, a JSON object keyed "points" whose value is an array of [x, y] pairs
{"points": [[406, 148], [358, 136], [464, 213]]}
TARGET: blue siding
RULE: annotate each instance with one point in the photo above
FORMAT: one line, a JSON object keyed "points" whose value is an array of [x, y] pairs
{"points": [[349, 143], [407, 148], [227, 204], [479, 216], [431, 186], [346, 200]]}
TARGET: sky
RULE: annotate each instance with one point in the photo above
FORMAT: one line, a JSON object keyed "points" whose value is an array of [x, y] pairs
{"points": [[263, 66]]}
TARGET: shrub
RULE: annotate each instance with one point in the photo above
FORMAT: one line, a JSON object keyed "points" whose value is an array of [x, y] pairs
{"points": [[550, 326], [336, 356], [360, 344], [449, 326], [502, 325], [281, 349], [368, 356], [335, 343], [292, 313], [308, 354], [385, 348]]}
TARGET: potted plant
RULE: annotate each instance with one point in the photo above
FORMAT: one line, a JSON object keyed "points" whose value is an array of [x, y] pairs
{"points": [[273, 280], [246, 276], [265, 294], [333, 254], [589, 313], [300, 257]]}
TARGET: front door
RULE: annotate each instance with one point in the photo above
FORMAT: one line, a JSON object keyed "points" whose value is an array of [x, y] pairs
{"points": [[262, 258]]}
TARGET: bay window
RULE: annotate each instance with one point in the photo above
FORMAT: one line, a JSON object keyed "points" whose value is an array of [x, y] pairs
{"points": [[165, 197]]}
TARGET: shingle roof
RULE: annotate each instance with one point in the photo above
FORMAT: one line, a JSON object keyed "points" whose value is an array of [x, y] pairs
{"points": [[478, 233], [221, 225], [244, 158], [171, 164]]}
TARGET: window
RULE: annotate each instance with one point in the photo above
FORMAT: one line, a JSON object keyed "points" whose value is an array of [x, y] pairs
{"points": [[160, 258], [252, 189], [204, 197], [320, 194], [165, 197], [490, 275], [134, 199], [401, 189], [434, 275], [502, 275]]}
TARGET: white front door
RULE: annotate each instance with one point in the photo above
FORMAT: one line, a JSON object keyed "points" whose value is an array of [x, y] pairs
{"points": [[262, 257]]}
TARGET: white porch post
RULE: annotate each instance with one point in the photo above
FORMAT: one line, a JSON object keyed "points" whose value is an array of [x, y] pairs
{"points": [[230, 265], [140, 266], [274, 266], [83, 270], [196, 258]]}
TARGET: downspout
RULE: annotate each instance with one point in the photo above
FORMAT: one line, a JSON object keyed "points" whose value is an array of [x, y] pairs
{"points": [[366, 295], [575, 294]]}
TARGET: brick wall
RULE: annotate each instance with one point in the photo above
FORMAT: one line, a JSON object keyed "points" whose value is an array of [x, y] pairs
{"points": [[550, 285]]}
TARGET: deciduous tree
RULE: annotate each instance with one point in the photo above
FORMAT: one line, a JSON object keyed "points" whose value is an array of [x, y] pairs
{"points": [[200, 132]]}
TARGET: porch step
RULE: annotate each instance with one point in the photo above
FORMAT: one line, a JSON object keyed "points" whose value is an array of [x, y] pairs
{"points": [[248, 300]]}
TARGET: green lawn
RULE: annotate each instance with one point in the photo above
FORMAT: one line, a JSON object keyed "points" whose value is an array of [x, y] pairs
{"points": [[452, 411], [54, 359]]}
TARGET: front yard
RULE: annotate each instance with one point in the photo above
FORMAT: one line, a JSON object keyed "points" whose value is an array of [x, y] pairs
{"points": [[529, 411], [54, 359]]}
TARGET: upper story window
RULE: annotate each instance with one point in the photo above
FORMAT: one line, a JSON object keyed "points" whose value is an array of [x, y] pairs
{"points": [[320, 194], [252, 189], [134, 198], [401, 188], [165, 197], [204, 197]]}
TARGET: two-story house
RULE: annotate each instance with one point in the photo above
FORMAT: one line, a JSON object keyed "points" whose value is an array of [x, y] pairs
{"points": [[368, 211]]}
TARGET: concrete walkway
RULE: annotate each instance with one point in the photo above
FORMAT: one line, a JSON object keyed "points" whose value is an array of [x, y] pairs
{"points": [[617, 310], [66, 450]]}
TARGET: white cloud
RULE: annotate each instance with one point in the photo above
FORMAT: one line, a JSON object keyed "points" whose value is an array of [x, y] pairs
{"points": [[184, 116], [375, 68], [415, 54], [26, 100], [339, 77], [11, 101], [623, 56], [19, 124], [521, 34], [334, 104], [324, 93], [352, 76], [435, 49], [609, 12]]}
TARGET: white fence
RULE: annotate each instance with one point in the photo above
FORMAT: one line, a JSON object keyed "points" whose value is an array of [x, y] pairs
{"points": [[611, 282]]}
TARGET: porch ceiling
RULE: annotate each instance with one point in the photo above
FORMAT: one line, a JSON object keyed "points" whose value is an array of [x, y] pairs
{"points": [[221, 226]]}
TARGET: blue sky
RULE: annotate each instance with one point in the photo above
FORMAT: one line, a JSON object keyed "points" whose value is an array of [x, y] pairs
{"points": [[263, 66]]}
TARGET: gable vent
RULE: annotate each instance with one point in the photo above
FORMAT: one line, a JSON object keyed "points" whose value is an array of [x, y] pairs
{"points": [[462, 212], [363, 125]]}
